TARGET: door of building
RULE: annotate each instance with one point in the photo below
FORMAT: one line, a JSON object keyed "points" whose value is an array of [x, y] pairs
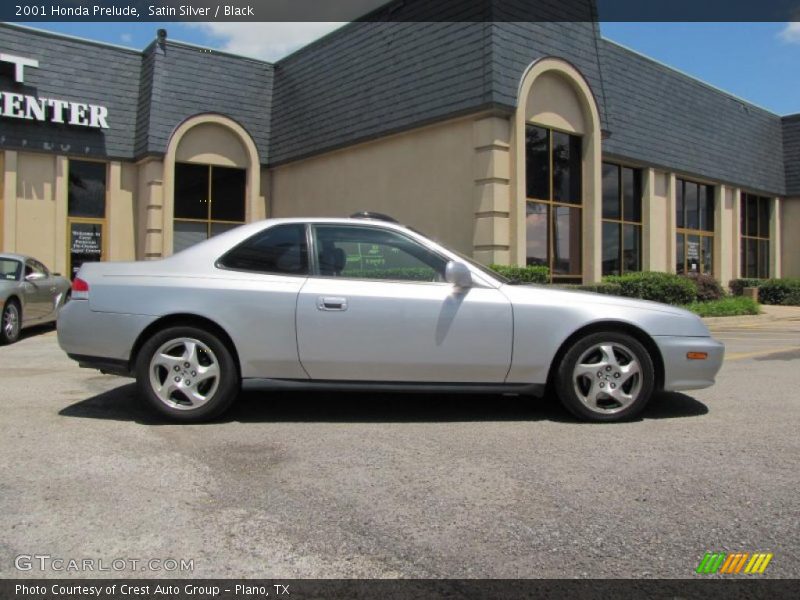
{"points": [[86, 213], [85, 243]]}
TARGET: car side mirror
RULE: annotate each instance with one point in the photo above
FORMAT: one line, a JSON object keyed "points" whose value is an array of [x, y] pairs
{"points": [[458, 274], [34, 276]]}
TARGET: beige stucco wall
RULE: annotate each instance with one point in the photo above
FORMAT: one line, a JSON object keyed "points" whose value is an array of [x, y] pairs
{"points": [[656, 231], [121, 211], [789, 224], [554, 102], [212, 144], [423, 178], [36, 207]]}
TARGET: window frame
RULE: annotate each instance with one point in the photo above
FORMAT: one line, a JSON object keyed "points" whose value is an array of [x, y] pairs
{"points": [[314, 262], [621, 221], [218, 263], [688, 232], [757, 237], [209, 222], [19, 273], [552, 204], [106, 177]]}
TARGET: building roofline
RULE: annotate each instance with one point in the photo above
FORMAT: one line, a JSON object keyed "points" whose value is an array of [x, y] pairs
{"points": [[214, 51], [317, 42], [692, 77], [66, 36]]}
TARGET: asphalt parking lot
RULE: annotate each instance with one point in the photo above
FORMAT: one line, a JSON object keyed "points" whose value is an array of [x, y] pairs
{"points": [[335, 485]]}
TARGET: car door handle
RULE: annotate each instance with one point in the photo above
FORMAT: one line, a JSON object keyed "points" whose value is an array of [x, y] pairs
{"points": [[331, 303]]}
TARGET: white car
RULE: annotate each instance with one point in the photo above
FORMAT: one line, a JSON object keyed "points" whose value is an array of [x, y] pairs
{"points": [[365, 303]]}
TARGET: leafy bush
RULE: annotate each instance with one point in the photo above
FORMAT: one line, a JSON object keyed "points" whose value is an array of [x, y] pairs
{"points": [[780, 291], [651, 285], [731, 306], [402, 274], [737, 285], [708, 288], [532, 274]]}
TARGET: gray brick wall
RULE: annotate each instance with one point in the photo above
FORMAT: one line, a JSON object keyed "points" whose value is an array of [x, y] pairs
{"points": [[516, 45], [373, 78], [184, 81], [368, 79], [668, 119], [79, 71], [791, 153]]}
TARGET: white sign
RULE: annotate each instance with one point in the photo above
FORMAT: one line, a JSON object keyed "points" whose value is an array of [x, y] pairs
{"points": [[32, 108], [19, 65]]}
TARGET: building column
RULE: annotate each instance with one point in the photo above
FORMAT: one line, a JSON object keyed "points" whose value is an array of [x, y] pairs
{"points": [[121, 217], [736, 233], [650, 223], [150, 237], [671, 223], [10, 201], [492, 196], [724, 242], [61, 264], [775, 266]]}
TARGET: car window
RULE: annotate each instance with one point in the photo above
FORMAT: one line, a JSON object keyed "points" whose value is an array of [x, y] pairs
{"points": [[281, 249], [39, 267], [34, 266], [9, 269], [373, 253]]}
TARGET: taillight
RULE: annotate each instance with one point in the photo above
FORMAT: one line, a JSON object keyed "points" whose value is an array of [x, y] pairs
{"points": [[80, 289]]}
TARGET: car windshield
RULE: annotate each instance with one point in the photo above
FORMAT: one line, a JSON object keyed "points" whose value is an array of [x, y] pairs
{"points": [[9, 269]]}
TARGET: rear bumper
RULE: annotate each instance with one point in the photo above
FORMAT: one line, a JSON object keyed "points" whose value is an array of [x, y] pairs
{"points": [[101, 338], [682, 373]]}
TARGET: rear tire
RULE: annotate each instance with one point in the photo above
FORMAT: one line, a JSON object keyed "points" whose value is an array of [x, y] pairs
{"points": [[606, 376], [187, 374], [11, 323]]}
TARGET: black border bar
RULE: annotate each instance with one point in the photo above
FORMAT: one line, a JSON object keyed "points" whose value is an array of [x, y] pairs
{"points": [[400, 10], [427, 589]]}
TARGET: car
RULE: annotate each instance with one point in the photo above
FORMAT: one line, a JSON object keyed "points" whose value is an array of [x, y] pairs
{"points": [[29, 294], [365, 303]]}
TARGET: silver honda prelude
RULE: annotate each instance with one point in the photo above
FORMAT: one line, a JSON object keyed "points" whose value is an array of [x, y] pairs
{"points": [[368, 304]]}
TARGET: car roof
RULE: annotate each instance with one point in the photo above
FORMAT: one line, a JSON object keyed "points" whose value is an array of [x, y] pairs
{"points": [[13, 256]]}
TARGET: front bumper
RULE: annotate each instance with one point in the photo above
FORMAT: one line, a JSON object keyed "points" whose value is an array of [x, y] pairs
{"points": [[682, 373]]}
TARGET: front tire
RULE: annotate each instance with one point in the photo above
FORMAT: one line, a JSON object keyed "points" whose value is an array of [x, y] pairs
{"points": [[606, 376], [187, 374], [11, 323]]}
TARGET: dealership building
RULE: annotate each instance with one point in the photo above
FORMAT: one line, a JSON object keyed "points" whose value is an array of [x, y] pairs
{"points": [[512, 142]]}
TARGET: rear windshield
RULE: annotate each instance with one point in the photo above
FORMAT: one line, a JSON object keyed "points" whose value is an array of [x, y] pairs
{"points": [[9, 269]]}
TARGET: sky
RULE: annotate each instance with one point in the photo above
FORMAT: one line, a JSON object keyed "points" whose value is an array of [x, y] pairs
{"points": [[758, 62]]}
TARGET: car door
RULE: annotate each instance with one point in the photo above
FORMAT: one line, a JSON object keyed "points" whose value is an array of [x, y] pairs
{"points": [[377, 308], [36, 286], [48, 289]]}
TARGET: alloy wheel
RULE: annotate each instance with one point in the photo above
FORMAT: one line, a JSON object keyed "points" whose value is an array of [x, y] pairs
{"points": [[607, 377], [184, 373], [11, 321]]}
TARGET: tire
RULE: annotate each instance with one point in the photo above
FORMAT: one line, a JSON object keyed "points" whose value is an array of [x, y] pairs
{"points": [[195, 393], [606, 376], [11, 323]]}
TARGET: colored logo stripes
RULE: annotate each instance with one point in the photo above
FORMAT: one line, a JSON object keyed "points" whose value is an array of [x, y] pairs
{"points": [[734, 563]]}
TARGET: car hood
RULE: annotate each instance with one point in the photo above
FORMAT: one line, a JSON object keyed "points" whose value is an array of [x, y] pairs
{"points": [[658, 318]]}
